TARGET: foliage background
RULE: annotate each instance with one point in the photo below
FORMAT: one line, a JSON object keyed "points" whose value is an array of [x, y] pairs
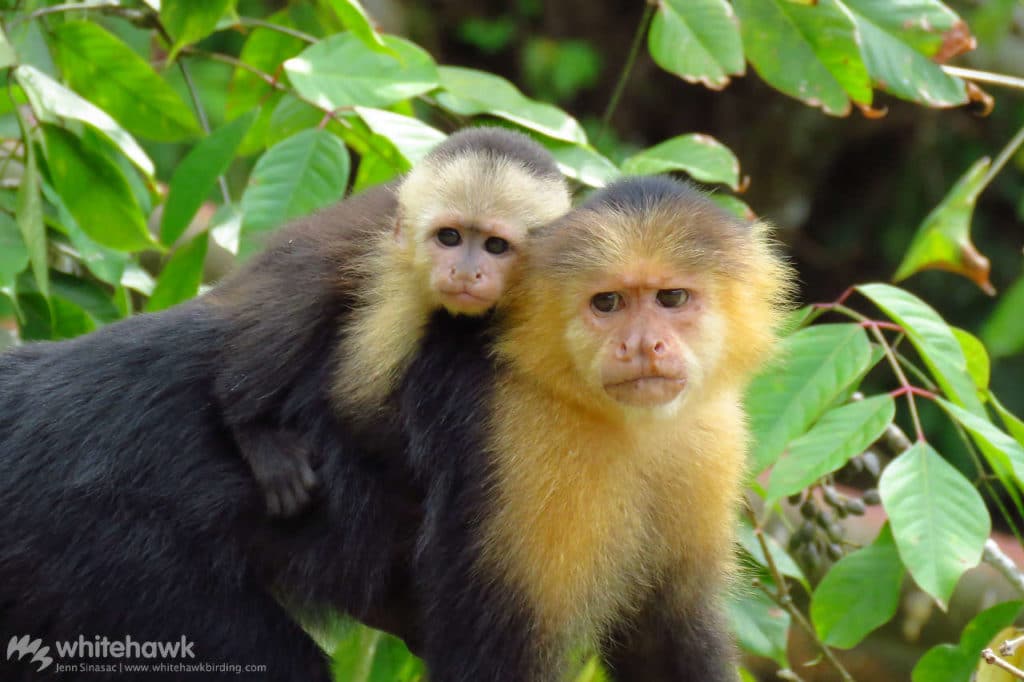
{"points": [[91, 232]]}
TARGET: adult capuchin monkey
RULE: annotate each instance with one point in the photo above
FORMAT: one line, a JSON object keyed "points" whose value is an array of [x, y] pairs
{"points": [[127, 510], [374, 268], [583, 481]]}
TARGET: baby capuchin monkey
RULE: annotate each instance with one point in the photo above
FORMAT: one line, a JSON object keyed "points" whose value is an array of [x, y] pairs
{"points": [[374, 268], [588, 494]]}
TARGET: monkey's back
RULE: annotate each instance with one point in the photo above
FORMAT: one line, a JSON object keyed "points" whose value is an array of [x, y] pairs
{"points": [[127, 507], [99, 437]]}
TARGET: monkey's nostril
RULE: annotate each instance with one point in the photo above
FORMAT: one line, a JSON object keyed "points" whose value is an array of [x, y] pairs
{"points": [[659, 348]]}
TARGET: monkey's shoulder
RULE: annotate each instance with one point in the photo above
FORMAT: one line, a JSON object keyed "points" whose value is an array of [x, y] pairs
{"points": [[453, 359], [445, 393]]}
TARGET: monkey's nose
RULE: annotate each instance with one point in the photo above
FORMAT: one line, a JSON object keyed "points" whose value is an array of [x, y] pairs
{"points": [[627, 348], [653, 348], [464, 275]]}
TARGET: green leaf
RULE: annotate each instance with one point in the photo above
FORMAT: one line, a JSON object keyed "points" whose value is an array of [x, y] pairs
{"points": [[842, 433], [468, 92], [181, 276], [197, 175], [13, 253], [266, 50], [88, 296], [938, 519], [943, 663], [809, 52], [983, 628], [52, 102], [30, 213], [921, 24], [36, 321], [817, 366], [106, 264], [294, 178], [860, 593], [933, 339], [943, 241], [1009, 454], [1003, 331], [375, 169], [95, 192], [380, 159], [341, 71], [367, 655], [490, 36], [413, 138], [558, 70], [190, 20], [69, 320], [697, 40], [895, 66], [593, 671], [956, 663], [257, 141], [226, 227], [761, 625], [144, 189], [748, 540], [116, 79], [978, 364], [733, 205], [291, 115], [52, 318], [1013, 424], [7, 55], [584, 164], [137, 279], [356, 20], [703, 157], [993, 22]]}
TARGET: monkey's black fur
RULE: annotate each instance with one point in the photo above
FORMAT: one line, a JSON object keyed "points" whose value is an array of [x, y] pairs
{"points": [[127, 508], [473, 628]]}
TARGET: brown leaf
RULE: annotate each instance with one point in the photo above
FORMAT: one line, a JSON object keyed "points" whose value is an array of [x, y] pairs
{"points": [[980, 103], [871, 113], [956, 41]]}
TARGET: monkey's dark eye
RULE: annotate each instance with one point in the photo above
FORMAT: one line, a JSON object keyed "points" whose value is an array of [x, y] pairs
{"points": [[673, 298], [606, 302], [496, 245], [449, 236]]}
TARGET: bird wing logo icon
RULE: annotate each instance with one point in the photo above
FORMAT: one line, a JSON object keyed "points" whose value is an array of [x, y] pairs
{"points": [[24, 646]]}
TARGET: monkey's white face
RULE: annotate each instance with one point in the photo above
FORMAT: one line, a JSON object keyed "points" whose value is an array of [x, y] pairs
{"points": [[470, 264], [645, 323]]}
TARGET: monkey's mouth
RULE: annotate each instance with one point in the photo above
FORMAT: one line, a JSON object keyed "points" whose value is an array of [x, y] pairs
{"points": [[648, 391], [465, 301]]}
